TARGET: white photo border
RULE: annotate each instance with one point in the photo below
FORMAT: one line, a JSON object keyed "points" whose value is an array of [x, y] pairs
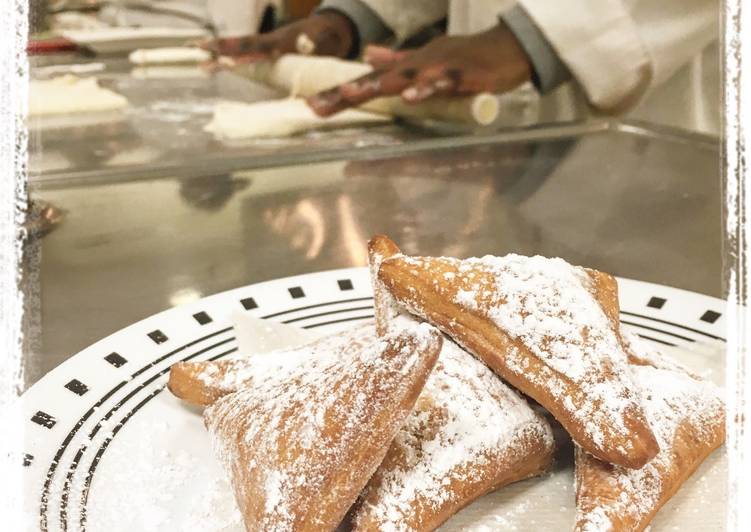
{"points": [[13, 176], [737, 113], [13, 157]]}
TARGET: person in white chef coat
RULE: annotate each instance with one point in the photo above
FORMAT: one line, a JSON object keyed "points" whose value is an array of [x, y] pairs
{"points": [[229, 20], [653, 60]]}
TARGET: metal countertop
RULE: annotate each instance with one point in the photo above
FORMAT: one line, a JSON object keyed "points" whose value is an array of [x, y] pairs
{"points": [[631, 200]]}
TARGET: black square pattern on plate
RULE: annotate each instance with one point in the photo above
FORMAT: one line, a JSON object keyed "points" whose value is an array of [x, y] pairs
{"points": [[27, 459], [77, 387], [44, 419], [158, 336], [249, 303], [202, 318], [296, 292], [345, 284], [710, 316], [656, 302], [116, 360]]}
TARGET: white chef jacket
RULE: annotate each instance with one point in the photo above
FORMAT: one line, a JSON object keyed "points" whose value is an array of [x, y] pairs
{"points": [[656, 60], [225, 18]]}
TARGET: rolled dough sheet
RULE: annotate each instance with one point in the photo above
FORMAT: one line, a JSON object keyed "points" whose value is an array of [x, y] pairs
{"points": [[278, 118], [169, 56], [71, 94]]}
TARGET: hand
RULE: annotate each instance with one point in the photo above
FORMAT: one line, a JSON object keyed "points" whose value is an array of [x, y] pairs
{"points": [[330, 32], [491, 61]]}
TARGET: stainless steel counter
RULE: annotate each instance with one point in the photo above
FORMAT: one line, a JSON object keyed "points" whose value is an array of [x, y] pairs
{"points": [[625, 199]]}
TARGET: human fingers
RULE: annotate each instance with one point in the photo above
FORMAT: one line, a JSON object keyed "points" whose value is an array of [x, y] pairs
{"points": [[430, 80], [361, 90], [382, 57]]}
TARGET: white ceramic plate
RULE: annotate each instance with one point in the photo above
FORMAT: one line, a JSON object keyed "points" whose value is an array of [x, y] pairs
{"points": [[108, 449]]}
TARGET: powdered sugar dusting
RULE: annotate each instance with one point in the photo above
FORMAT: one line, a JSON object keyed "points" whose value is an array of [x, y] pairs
{"points": [[232, 374], [464, 418], [216, 510], [148, 507], [671, 399], [294, 430], [548, 306], [642, 353], [141, 483]]}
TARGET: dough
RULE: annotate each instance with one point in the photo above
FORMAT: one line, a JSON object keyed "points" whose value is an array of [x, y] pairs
{"points": [[71, 94], [305, 76], [277, 118], [305, 44], [168, 56]]}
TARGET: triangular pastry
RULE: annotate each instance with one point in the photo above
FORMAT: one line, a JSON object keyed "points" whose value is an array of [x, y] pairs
{"points": [[540, 325], [688, 418], [469, 433], [301, 442], [202, 383]]}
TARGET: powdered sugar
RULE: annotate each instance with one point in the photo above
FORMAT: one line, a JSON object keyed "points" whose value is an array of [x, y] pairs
{"points": [[143, 477], [327, 391], [464, 418], [215, 511], [548, 306], [465, 422], [232, 374], [642, 353], [671, 399], [465, 297]]}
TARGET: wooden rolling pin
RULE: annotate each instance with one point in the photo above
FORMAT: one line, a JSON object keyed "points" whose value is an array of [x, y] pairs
{"points": [[302, 75]]}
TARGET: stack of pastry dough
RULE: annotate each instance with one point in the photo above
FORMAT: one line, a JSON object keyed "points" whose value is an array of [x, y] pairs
{"points": [[397, 425]]}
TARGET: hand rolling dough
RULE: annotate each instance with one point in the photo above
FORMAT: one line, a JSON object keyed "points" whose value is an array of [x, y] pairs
{"points": [[71, 94], [277, 118], [305, 76], [169, 56]]}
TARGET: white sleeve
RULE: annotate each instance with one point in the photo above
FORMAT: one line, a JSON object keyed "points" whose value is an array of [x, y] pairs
{"points": [[617, 50], [233, 18], [407, 18]]}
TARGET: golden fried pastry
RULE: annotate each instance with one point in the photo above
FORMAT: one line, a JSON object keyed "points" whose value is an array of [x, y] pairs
{"points": [[469, 433], [386, 307], [688, 418], [539, 324], [202, 383], [301, 443]]}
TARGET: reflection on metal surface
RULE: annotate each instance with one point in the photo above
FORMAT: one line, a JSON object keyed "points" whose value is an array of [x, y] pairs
{"points": [[184, 296], [302, 225], [211, 192], [637, 205], [353, 238]]}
